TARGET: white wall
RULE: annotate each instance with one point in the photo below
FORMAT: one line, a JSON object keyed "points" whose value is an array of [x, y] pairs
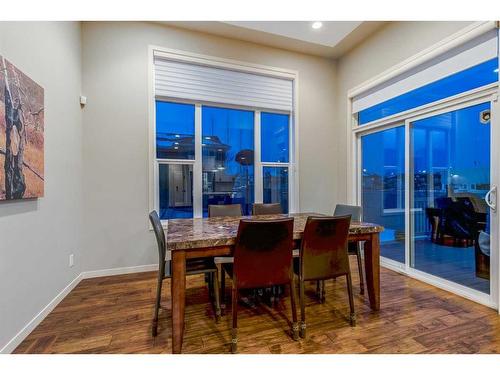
{"points": [[387, 47], [115, 149], [37, 236]]}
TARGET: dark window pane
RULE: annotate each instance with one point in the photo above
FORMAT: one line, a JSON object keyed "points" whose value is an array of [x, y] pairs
{"points": [[383, 194], [176, 191], [275, 189], [474, 77], [228, 157], [274, 133], [174, 130]]}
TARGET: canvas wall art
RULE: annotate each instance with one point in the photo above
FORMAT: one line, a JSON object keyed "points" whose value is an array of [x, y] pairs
{"points": [[21, 134]]}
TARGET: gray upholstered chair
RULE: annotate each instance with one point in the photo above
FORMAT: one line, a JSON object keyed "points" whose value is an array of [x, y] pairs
{"points": [[267, 209], [356, 213], [193, 267], [224, 210], [220, 210]]}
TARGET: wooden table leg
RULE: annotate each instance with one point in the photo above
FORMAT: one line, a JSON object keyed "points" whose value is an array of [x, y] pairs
{"points": [[178, 298], [372, 270]]}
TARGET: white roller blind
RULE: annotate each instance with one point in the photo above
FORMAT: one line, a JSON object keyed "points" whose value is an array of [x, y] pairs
{"points": [[175, 79], [474, 52]]}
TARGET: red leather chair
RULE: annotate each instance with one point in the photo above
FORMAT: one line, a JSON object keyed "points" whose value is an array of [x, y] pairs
{"points": [[262, 258], [323, 256]]}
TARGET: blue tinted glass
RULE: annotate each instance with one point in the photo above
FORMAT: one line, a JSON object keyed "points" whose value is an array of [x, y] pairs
{"points": [[174, 130], [474, 77], [274, 129], [451, 169], [276, 186], [228, 157], [383, 188], [176, 191]]}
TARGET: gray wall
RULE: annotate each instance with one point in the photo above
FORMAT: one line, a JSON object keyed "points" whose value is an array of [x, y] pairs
{"points": [[115, 148], [389, 46], [37, 236]]}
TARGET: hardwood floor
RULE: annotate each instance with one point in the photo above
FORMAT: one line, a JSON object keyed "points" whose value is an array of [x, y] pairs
{"points": [[113, 315]]}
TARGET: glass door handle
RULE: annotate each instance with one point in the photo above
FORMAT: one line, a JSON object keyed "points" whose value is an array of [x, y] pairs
{"points": [[491, 198]]}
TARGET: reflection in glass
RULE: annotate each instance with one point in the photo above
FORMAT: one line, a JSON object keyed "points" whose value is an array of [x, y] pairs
{"points": [[451, 176], [274, 129], [383, 189], [228, 157], [176, 191], [276, 186], [174, 130]]}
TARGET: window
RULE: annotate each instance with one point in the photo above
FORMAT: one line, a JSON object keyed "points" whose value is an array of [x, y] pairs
{"points": [[275, 180], [174, 131], [274, 137], [228, 157], [223, 135], [275, 156], [474, 77], [176, 191], [175, 154]]}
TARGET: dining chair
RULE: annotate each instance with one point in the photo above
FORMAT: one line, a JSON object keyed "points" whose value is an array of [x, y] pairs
{"points": [[323, 256], [262, 258], [274, 292], [267, 209], [193, 267], [220, 210], [354, 248], [224, 210]]}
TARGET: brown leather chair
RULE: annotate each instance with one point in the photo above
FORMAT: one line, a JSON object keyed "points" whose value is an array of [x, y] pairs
{"points": [[224, 210], [267, 209], [220, 210], [354, 248], [323, 256], [262, 258], [193, 267]]}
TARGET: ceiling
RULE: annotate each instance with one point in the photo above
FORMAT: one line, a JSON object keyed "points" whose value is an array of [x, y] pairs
{"points": [[332, 40]]}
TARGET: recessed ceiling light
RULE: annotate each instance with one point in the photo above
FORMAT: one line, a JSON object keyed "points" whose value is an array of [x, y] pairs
{"points": [[317, 25]]}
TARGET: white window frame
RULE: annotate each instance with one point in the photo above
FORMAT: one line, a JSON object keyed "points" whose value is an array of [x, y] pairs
{"points": [[354, 133], [189, 57]]}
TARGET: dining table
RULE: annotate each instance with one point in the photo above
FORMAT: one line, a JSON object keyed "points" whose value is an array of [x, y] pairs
{"points": [[210, 237]]}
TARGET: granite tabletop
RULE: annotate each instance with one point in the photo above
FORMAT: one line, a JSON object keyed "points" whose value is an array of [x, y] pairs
{"points": [[221, 231]]}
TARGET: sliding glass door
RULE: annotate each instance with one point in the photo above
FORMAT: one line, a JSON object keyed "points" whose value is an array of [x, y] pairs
{"points": [[431, 183], [450, 166]]}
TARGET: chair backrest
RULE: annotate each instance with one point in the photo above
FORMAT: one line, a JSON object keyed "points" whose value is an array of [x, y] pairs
{"points": [[263, 253], [323, 251], [356, 212], [160, 239], [218, 210], [267, 209]]}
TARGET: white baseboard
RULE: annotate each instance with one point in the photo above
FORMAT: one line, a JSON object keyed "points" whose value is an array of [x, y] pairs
{"points": [[23, 333], [119, 271]]}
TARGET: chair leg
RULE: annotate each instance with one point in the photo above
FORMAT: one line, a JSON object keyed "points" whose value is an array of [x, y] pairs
{"points": [[352, 312], [216, 296], [323, 291], [234, 331], [222, 289], [210, 284], [154, 327], [302, 310], [360, 270], [293, 298]]}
